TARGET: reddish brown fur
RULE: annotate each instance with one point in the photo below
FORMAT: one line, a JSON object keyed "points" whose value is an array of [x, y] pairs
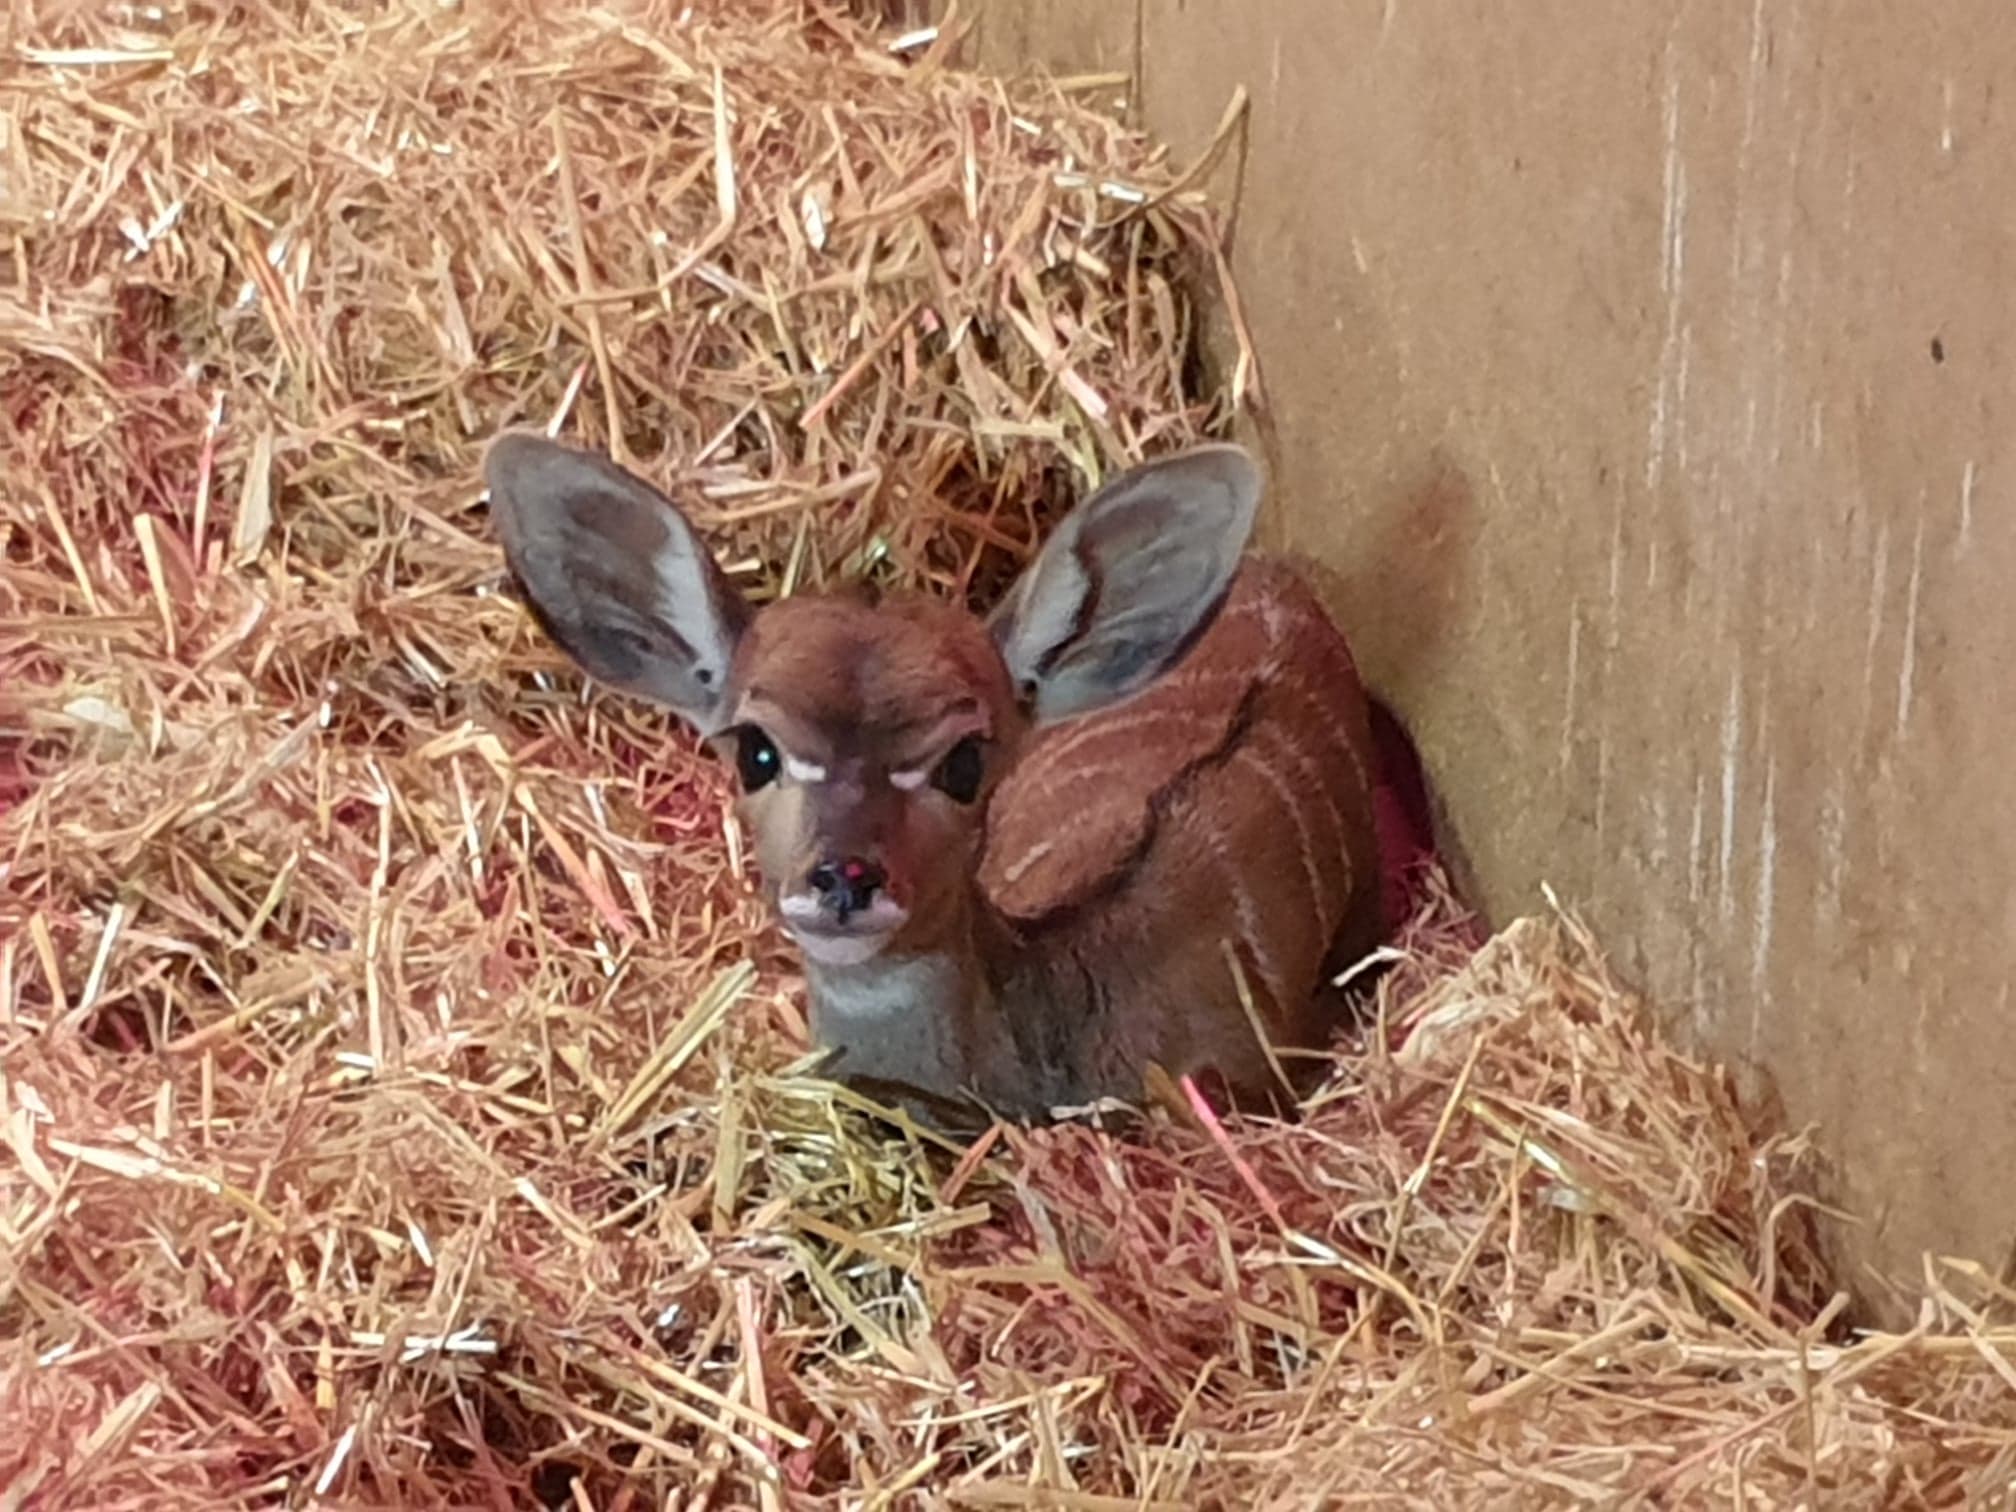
{"points": [[863, 691], [874, 680], [1229, 803]]}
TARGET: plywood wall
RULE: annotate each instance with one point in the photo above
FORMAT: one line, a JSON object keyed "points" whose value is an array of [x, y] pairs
{"points": [[1647, 372]]}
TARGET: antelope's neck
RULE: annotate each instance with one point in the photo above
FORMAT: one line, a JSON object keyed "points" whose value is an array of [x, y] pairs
{"points": [[930, 1018]]}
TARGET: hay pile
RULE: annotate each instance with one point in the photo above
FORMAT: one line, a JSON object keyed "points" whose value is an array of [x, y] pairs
{"points": [[397, 1094]]}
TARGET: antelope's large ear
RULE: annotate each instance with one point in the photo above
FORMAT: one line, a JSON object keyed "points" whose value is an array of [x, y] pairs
{"points": [[1130, 578], [615, 575]]}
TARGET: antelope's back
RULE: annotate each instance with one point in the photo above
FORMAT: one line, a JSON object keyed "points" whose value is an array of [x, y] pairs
{"points": [[1231, 801]]}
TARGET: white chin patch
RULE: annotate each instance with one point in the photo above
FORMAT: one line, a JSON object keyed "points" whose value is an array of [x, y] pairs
{"points": [[840, 950]]}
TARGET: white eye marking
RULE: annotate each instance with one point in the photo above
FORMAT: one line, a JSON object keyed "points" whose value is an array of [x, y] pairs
{"points": [[803, 771], [911, 780]]}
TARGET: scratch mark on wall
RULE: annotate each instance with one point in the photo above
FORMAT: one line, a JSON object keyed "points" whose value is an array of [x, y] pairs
{"points": [[1966, 507], [1927, 996], [1817, 545], [1602, 784], [1766, 905], [1574, 678], [1683, 365], [1908, 663], [1614, 600], [1879, 583], [1697, 999], [1672, 279], [1753, 79], [1696, 886], [1137, 82], [1751, 338], [1946, 114], [1783, 299], [1675, 195], [1697, 836], [1732, 755], [1833, 834]]}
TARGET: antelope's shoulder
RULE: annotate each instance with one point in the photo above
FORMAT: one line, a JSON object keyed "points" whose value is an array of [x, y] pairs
{"points": [[1081, 806]]}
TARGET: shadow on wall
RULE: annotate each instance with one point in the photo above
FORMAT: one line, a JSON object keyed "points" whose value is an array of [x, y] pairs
{"points": [[1412, 555]]}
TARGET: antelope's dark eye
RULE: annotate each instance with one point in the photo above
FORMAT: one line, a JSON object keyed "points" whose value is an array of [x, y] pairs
{"points": [[958, 775], [756, 759]]}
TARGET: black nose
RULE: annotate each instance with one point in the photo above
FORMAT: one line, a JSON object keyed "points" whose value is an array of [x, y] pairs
{"points": [[847, 886]]}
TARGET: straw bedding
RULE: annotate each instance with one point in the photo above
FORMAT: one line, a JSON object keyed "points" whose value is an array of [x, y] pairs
{"points": [[398, 1093]]}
